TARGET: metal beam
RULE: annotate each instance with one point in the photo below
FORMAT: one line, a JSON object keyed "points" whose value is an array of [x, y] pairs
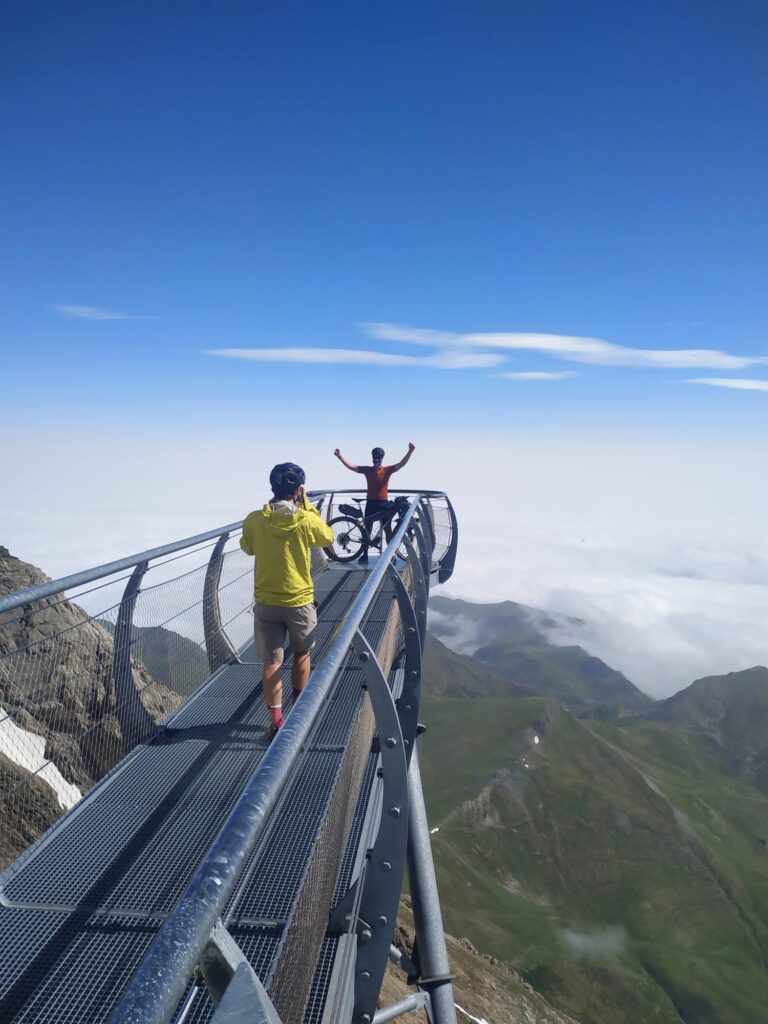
{"points": [[448, 560], [383, 878], [407, 1004], [136, 723], [79, 579], [408, 702], [435, 971], [217, 644], [245, 1001]]}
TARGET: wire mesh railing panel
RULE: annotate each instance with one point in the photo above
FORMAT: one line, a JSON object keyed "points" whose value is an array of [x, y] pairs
{"points": [[291, 982], [442, 527], [58, 724], [236, 597], [82, 684]]}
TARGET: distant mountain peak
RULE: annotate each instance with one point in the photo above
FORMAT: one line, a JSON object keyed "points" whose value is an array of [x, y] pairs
{"points": [[515, 643], [732, 711]]}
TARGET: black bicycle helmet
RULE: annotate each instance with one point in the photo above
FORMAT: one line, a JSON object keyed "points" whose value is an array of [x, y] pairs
{"points": [[377, 454], [285, 478]]}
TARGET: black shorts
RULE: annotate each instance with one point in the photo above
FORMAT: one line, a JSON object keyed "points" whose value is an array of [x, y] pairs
{"points": [[375, 509]]}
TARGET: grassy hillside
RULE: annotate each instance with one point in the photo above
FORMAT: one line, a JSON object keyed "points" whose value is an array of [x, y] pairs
{"points": [[568, 673], [620, 870], [731, 712], [516, 643], [503, 620], [455, 675]]}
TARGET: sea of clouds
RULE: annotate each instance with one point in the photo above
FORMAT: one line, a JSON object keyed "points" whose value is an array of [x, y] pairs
{"points": [[660, 548]]}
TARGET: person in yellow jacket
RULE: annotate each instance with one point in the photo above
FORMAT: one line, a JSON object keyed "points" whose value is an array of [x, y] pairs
{"points": [[281, 537]]}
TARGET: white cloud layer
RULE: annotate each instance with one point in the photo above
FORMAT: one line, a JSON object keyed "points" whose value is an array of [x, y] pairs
{"points": [[599, 946], [738, 383], [96, 313], [539, 375], [574, 349], [449, 360], [660, 547]]}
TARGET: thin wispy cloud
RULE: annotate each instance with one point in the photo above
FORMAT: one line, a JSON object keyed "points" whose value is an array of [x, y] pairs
{"points": [[97, 313], [448, 360], [737, 383], [538, 375], [572, 348]]}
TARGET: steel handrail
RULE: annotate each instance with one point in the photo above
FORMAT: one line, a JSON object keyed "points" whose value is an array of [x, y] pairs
{"points": [[160, 982], [79, 579]]}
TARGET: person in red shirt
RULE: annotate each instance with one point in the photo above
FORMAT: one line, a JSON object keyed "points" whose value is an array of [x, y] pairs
{"points": [[377, 477]]}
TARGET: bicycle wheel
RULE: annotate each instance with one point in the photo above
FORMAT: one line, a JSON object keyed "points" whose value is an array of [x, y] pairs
{"points": [[349, 539], [402, 550]]}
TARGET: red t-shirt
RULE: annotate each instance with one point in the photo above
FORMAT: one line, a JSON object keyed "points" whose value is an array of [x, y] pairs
{"points": [[377, 478]]}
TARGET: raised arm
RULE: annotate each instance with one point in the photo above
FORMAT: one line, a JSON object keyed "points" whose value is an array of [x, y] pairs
{"points": [[340, 457], [408, 454]]}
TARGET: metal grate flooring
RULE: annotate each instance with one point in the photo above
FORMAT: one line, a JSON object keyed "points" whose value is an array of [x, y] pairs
{"points": [[79, 910]]}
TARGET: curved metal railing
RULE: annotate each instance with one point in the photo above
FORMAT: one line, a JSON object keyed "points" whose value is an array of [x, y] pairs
{"points": [[194, 925]]}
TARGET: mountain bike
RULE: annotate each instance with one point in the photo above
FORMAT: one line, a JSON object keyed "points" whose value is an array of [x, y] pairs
{"points": [[353, 535]]}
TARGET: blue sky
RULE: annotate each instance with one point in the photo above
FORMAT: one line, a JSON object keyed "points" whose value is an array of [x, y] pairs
{"points": [[183, 178], [571, 191]]}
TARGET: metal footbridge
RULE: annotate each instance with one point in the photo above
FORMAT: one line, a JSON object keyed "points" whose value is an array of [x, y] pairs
{"points": [[164, 862]]}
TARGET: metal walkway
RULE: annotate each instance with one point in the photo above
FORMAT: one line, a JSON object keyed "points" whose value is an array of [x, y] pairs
{"points": [[81, 909]]}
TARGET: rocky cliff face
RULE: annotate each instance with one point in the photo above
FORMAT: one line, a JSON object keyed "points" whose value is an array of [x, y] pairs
{"points": [[56, 682], [486, 990]]}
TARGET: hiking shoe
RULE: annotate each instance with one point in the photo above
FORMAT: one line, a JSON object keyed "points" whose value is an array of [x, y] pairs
{"points": [[273, 731]]}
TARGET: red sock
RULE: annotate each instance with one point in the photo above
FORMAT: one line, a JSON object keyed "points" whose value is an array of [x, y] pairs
{"points": [[276, 714], [296, 695]]}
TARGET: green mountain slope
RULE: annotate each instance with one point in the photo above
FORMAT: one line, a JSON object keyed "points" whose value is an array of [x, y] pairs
{"points": [[731, 711], [620, 870], [503, 620], [568, 673], [514, 641], [455, 675]]}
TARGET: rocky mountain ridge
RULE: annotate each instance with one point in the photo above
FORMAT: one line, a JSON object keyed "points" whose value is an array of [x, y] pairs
{"points": [[731, 711], [519, 645]]}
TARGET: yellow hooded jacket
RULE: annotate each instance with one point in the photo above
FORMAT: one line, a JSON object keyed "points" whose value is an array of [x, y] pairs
{"points": [[281, 536]]}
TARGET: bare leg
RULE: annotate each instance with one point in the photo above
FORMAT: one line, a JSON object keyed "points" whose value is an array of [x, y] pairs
{"points": [[273, 683], [300, 670]]}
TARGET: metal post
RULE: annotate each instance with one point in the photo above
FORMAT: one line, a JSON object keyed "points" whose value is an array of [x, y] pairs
{"points": [[409, 700], [414, 1001], [430, 937], [383, 878], [448, 560], [424, 553], [430, 517], [420, 590], [135, 721], [220, 650]]}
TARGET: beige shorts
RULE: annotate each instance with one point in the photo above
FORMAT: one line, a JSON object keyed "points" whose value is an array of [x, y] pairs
{"points": [[271, 622]]}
